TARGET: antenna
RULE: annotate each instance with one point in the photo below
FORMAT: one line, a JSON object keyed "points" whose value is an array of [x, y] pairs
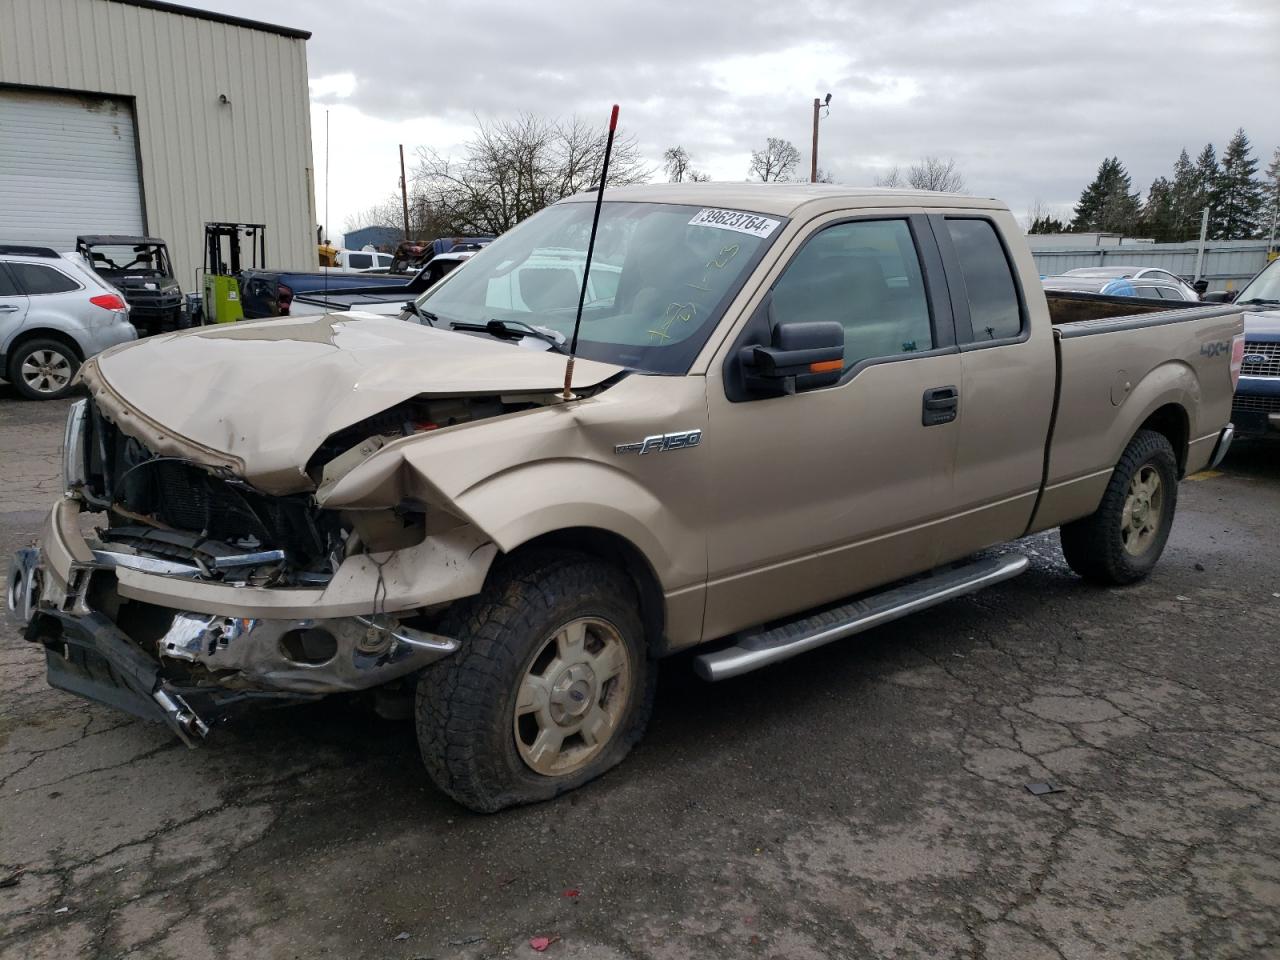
{"points": [[326, 198], [591, 246]]}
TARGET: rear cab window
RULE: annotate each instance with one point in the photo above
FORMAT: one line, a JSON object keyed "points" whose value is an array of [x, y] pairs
{"points": [[36, 279], [986, 281]]}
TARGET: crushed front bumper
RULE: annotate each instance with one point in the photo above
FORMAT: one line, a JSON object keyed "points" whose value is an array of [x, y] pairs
{"points": [[191, 667]]}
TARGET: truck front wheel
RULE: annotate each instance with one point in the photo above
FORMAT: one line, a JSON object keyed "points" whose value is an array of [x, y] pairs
{"points": [[1122, 540], [553, 684]]}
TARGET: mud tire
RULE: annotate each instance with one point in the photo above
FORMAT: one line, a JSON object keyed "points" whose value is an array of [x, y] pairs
{"points": [[465, 704], [1094, 546]]}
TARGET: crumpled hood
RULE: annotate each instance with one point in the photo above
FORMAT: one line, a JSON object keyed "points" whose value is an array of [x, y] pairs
{"points": [[259, 398]]}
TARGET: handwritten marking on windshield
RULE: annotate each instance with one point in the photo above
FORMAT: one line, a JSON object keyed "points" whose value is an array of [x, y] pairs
{"points": [[683, 312]]}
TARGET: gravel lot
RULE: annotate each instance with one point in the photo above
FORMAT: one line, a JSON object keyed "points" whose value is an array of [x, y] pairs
{"points": [[866, 800]]}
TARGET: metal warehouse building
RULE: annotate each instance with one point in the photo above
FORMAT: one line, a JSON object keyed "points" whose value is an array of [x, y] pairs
{"points": [[144, 117]]}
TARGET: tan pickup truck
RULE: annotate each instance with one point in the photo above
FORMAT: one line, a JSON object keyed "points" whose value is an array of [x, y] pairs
{"points": [[798, 412]]}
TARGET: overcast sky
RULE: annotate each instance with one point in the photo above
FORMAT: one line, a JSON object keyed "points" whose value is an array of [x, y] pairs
{"points": [[1028, 97]]}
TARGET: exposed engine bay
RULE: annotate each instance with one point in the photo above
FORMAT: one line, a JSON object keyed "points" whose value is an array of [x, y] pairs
{"points": [[206, 523]]}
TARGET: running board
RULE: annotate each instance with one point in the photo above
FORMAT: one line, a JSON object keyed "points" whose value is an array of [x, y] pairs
{"points": [[759, 648]]}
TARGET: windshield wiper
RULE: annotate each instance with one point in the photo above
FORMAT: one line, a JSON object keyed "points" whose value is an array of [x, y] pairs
{"points": [[513, 330], [1260, 300], [427, 315]]}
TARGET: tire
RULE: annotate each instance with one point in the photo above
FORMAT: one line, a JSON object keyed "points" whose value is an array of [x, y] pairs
{"points": [[43, 369], [1122, 540], [488, 717]]}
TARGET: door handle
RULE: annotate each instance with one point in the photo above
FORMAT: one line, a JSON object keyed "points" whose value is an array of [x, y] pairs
{"points": [[7, 308], [941, 405]]}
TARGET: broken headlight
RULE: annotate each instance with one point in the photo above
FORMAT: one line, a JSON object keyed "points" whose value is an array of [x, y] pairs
{"points": [[74, 473]]}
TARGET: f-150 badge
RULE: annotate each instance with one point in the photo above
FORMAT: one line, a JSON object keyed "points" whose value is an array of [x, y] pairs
{"points": [[662, 441]]}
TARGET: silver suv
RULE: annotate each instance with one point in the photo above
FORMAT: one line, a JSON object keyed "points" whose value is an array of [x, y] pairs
{"points": [[54, 313]]}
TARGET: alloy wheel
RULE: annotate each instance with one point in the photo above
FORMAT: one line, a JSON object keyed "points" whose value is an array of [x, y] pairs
{"points": [[572, 697]]}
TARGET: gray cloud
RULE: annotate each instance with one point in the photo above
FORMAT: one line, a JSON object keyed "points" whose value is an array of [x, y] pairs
{"points": [[1027, 97]]}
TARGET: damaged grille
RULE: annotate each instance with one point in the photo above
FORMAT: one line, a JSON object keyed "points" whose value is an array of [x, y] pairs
{"points": [[169, 492]]}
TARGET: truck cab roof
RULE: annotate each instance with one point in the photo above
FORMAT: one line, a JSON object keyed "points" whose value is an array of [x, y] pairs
{"points": [[784, 199]]}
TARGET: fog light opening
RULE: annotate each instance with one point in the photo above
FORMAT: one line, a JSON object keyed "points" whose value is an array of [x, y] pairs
{"points": [[14, 594], [310, 646]]}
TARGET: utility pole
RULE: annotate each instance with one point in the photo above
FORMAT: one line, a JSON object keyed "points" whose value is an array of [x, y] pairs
{"points": [[404, 193], [818, 104], [1271, 240], [813, 166], [1204, 230]]}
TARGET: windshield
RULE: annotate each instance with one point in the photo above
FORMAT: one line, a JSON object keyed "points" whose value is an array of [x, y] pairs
{"points": [[143, 259], [661, 276], [1265, 286]]}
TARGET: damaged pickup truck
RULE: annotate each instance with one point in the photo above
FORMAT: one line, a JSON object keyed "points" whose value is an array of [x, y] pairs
{"points": [[798, 412]]}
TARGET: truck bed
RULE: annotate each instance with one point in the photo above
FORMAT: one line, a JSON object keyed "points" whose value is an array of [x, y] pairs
{"points": [[1122, 361]]}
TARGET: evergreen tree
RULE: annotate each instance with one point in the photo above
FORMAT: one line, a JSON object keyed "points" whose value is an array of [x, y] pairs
{"points": [[1184, 215], [1206, 182], [1157, 219], [1271, 186], [1107, 205], [1047, 224], [1237, 195]]}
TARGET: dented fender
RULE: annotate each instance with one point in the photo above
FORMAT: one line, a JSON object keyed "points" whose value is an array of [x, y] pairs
{"points": [[571, 465]]}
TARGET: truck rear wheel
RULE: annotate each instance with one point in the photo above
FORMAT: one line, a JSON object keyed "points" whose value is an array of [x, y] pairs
{"points": [[553, 684], [1122, 540]]}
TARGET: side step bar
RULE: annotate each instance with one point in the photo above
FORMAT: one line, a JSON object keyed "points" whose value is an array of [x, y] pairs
{"points": [[758, 648]]}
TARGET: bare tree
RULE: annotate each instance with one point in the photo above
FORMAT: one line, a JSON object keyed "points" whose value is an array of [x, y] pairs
{"points": [[1042, 218], [777, 161], [675, 161], [893, 179], [424, 222], [825, 176], [511, 169], [934, 173], [384, 214], [699, 176]]}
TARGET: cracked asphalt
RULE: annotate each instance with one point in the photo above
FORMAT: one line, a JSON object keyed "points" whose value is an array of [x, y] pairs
{"points": [[866, 800]]}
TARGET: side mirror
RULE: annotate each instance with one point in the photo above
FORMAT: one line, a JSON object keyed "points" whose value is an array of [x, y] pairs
{"points": [[802, 356], [1200, 286], [1220, 296]]}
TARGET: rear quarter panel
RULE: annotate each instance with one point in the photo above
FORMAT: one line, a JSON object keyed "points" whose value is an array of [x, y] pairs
{"points": [[1113, 380]]}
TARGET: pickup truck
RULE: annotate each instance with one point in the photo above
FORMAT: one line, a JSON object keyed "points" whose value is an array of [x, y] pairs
{"points": [[796, 412], [1256, 410]]}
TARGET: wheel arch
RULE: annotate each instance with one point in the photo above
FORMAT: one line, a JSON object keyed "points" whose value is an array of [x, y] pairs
{"points": [[26, 335], [1174, 424], [615, 549]]}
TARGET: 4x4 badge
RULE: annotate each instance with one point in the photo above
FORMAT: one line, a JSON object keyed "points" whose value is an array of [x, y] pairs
{"points": [[659, 442]]}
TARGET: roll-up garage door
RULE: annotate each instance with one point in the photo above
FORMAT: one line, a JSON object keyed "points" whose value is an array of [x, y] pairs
{"points": [[68, 165]]}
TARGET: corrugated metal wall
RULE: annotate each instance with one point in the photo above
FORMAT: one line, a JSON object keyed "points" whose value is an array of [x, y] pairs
{"points": [[1228, 264], [247, 160]]}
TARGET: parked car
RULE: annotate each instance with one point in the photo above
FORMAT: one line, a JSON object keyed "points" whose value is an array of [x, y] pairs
{"points": [[551, 279], [412, 255], [389, 300], [1256, 411], [1138, 276], [799, 412], [362, 261], [139, 268], [55, 313], [1148, 288]]}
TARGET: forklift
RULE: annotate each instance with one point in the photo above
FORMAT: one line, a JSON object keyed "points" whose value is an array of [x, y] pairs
{"points": [[236, 290]]}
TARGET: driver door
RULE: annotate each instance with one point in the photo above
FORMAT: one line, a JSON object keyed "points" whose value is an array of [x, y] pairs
{"points": [[827, 492]]}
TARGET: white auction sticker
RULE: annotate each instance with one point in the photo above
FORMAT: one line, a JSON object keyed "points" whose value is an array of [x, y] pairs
{"points": [[752, 223]]}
